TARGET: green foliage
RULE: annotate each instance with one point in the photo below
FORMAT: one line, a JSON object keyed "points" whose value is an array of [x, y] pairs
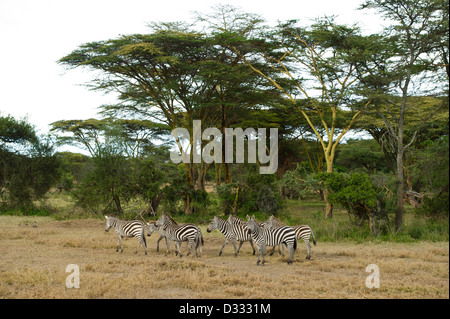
{"points": [[258, 193], [362, 199], [28, 166], [435, 206], [298, 183], [361, 154]]}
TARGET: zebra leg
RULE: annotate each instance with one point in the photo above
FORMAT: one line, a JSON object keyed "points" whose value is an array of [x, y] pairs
{"points": [[263, 252], [191, 243], [119, 241], [157, 243], [168, 245], [198, 246], [236, 251], [178, 251], [253, 247], [223, 246], [257, 254], [290, 249], [281, 249], [273, 251], [308, 247], [239, 249], [139, 243]]}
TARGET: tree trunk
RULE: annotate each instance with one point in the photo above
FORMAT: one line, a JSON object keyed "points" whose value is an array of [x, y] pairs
{"points": [[226, 165], [188, 205], [328, 205], [400, 187], [118, 205]]}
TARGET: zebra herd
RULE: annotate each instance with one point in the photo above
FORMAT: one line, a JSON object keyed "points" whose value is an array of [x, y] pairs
{"points": [[260, 235]]}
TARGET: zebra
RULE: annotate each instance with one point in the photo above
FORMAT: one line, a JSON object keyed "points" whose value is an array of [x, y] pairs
{"points": [[271, 237], [240, 231], [151, 228], [123, 228], [180, 233], [301, 232], [226, 229]]}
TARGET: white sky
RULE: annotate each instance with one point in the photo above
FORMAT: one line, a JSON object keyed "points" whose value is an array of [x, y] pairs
{"points": [[34, 34]]}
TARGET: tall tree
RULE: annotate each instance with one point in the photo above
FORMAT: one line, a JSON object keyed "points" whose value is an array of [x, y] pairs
{"points": [[319, 65], [174, 75], [403, 65]]}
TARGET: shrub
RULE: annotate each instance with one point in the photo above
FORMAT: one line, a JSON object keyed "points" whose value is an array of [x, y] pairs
{"points": [[362, 199]]}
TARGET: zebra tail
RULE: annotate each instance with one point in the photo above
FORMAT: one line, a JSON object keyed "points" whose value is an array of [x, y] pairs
{"points": [[143, 236], [314, 238], [199, 239], [295, 244]]}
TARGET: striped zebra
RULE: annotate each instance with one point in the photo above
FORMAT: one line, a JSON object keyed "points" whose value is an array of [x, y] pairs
{"points": [[179, 233], [271, 237], [123, 228], [240, 231], [226, 229], [301, 232], [162, 234]]}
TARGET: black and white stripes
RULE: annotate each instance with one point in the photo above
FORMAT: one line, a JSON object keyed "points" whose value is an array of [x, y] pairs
{"points": [[271, 237], [231, 232], [179, 233], [269, 233], [123, 228], [301, 232]]}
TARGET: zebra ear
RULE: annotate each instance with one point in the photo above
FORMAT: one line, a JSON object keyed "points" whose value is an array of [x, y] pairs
{"points": [[106, 217], [248, 217]]}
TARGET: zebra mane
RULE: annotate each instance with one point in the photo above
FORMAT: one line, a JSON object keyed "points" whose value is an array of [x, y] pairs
{"points": [[238, 218], [276, 219], [170, 218]]}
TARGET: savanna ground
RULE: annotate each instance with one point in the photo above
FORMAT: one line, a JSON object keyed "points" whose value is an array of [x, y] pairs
{"points": [[36, 250]]}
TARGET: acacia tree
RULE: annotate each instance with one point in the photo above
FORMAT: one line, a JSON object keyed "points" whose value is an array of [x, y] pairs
{"points": [[156, 76], [121, 170], [408, 60], [173, 75], [318, 64]]}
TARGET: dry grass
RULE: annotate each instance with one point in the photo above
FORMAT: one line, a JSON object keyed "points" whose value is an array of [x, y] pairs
{"points": [[36, 250]]}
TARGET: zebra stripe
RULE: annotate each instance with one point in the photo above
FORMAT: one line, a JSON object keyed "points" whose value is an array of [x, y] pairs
{"points": [[225, 228], [123, 228], [240, 231], [271, 237], [162, 234], [179, 233], [301, 232]]}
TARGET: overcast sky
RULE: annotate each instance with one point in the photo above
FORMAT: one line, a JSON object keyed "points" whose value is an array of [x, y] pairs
{"points": [[34, 34]]}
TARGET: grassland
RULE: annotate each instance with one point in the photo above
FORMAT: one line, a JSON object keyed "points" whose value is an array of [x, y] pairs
{"points": [[36, 250]]}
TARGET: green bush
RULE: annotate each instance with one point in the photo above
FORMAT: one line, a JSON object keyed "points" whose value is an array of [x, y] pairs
{"points": [[362, 199]]}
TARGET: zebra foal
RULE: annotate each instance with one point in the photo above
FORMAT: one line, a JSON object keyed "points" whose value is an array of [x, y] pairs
{"points": [[179, 233], [123, 228], [271, 237], [226, 229]]}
